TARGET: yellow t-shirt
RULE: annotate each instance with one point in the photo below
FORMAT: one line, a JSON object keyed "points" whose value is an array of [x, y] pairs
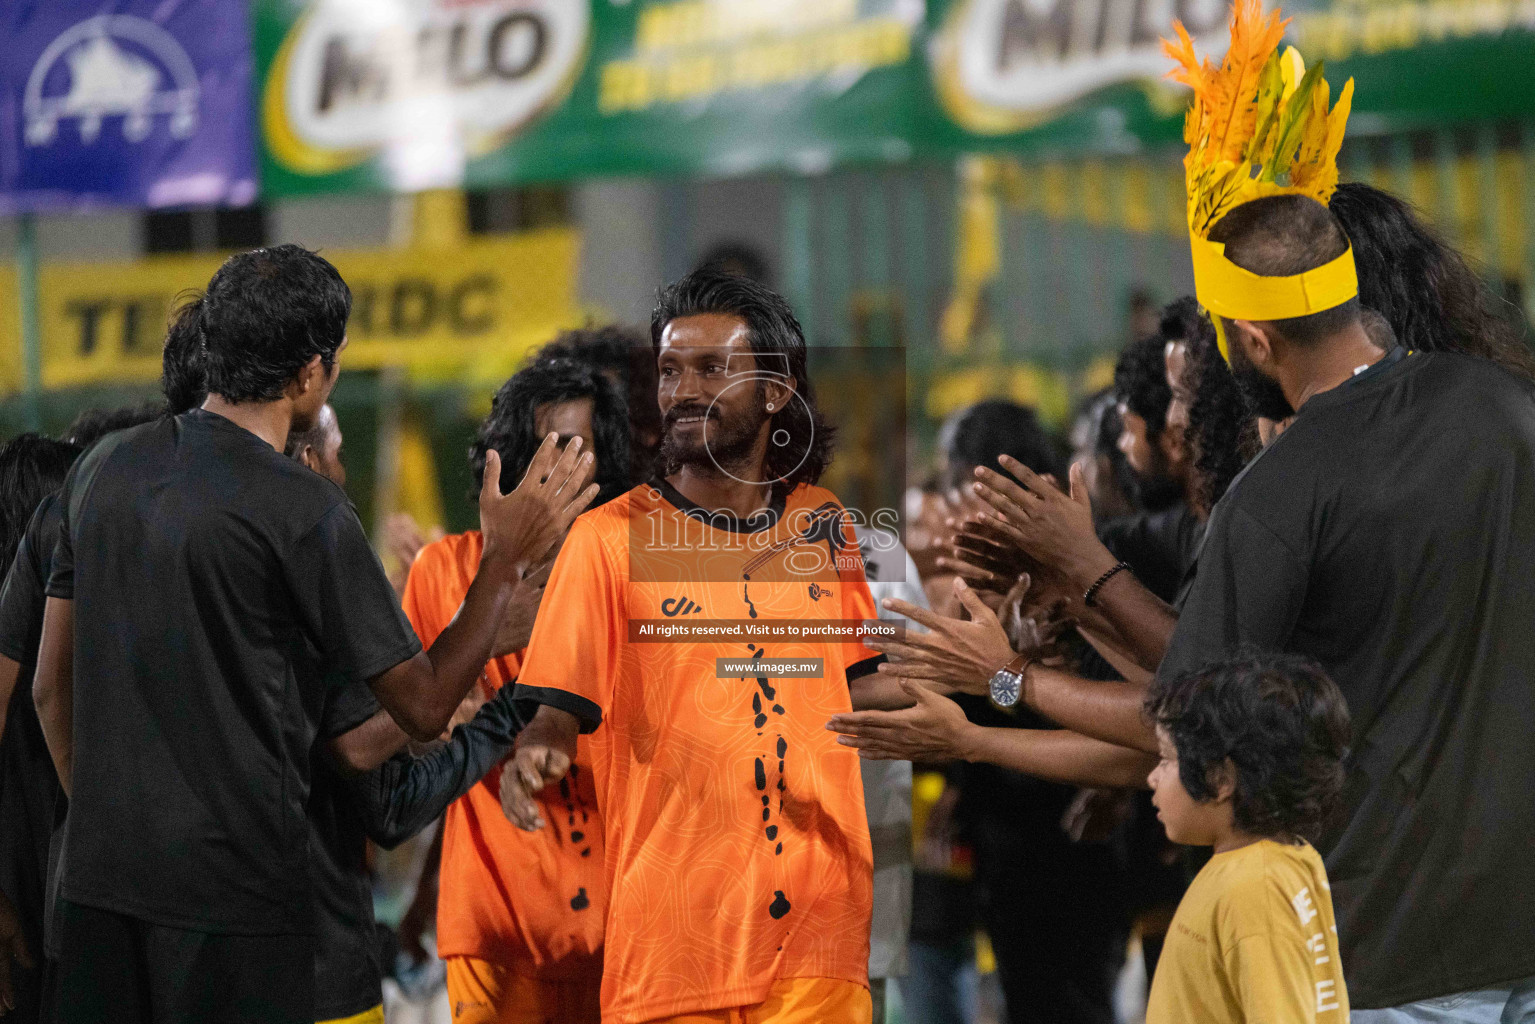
{"points": [[1253, 942]]}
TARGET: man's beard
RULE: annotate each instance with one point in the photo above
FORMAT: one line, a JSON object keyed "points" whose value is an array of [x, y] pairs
{"points": [[730, 442], [1263, 394]]}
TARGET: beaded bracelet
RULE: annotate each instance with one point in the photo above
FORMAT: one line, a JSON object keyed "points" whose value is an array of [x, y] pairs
{"points": [[1091, 597]]}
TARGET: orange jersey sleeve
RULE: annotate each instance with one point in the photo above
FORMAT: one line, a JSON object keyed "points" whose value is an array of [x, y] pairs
{"points": [[857, 603], [572, 659]]}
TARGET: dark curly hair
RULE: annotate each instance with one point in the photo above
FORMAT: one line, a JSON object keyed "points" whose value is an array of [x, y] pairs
{"points": [[31, 468], [624, 355], [1432, 299], [512, 426], [1140, 381], [1279, 720], [182, 379], [773, 330], [1222, 434], [982, 433], [266, 313]]}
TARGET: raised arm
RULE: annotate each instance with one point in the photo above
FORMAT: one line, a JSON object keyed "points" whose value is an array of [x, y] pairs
{"points": [[53, 686], [519, 528]]}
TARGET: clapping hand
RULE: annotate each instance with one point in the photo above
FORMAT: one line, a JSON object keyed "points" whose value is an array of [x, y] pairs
{"points": [[932, 730], [522, 527], [955, 654], [1053, 528]]}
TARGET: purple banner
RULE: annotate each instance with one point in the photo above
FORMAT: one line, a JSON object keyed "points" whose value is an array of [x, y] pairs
{"points": [[144, 103]]}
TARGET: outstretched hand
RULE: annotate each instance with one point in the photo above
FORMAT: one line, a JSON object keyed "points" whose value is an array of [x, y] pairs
{"points": [[523, 526], [1054, 528], [932, 730], [954, 654]]}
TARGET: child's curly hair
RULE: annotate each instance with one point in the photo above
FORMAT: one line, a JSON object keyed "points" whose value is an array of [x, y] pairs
{"points": [[1279, 720]]}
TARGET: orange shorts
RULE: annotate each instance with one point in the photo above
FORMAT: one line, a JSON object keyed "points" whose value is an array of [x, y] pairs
{"points": [[793, 1001], [480, 992]]}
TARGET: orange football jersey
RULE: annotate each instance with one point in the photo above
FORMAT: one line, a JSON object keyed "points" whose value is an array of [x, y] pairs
{"points": [[528, 901], [737, 848]]}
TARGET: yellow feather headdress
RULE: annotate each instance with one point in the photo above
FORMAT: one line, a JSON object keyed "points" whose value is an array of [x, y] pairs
{"points": [[1259, 126]]}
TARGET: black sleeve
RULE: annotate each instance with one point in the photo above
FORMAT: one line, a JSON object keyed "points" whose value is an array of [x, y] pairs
{"points": [[1247, 591], [405, 794], [345, 601], [348, 704], [61, 564], [25, 590]]}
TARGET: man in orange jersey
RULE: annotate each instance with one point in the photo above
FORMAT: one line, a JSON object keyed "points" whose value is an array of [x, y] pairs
{"points": [[519, 915], [700, 628]]}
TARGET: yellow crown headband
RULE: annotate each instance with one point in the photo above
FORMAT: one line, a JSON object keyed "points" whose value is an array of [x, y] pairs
{"points": [[1227, 290], [1259, 126]]}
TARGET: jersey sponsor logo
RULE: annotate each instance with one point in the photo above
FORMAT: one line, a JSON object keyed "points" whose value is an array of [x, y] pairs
{"points": [[817, 592], [674, 606]]}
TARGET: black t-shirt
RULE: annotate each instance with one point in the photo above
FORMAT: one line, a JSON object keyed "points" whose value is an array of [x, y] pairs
{"points": [[388, 805], [28, 786], [1389, 533], [1159, 546], [217, 585]]}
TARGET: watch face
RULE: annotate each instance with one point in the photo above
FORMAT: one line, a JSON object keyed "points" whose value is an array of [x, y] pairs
{"points": [[1005, 687]]}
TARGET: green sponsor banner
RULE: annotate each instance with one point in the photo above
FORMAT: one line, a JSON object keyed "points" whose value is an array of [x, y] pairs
{"points": [[428, 93], [1085, 76], [416, 94]]}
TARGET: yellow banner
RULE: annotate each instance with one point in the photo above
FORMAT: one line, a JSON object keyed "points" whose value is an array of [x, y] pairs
{"points": [[479, 305]]}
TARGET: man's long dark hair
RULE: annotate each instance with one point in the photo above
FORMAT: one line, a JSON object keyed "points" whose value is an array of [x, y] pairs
{"points": [[512, 426], [1221, 436], [31, 468], [182, 379], [1424, 288], [774, 331]]}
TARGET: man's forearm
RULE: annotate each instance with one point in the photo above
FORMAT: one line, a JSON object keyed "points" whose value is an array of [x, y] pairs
{"points": [[53, 687], [1143, 621], [1108, 711], [878, 692], [1059, 755], [364, 748], [422, 694], [407, 794]]}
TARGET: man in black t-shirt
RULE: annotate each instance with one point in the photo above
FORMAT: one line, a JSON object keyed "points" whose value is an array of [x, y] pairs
{"points": [[1387, 533], [31, 470], [205, 593]]}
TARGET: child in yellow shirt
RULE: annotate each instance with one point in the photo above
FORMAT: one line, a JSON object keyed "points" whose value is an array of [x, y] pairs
{"points": [[1252, 753]]}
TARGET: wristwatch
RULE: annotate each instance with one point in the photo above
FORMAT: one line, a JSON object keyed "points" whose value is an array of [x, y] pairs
{"points": [[1007, 683]]}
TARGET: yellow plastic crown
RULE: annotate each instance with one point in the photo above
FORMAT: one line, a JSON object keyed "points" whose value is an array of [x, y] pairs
{"points": [[1259, 126]]}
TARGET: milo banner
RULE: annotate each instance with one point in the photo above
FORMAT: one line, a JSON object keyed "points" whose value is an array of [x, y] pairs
{"points": [[1057, 76], [427, 93], [125, 103]]}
